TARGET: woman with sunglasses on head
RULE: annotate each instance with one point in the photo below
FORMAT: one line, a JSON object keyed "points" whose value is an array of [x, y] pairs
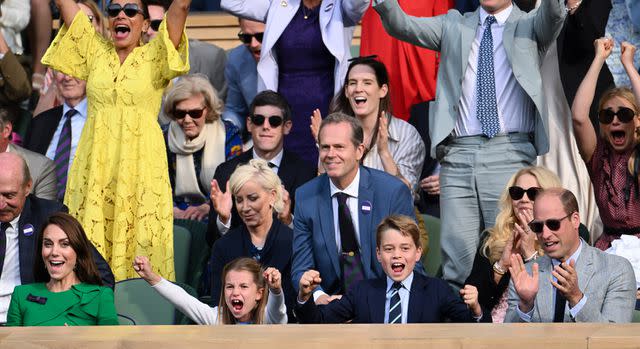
{"points": [[510, 235], [251, 295], [258, 195], [304, 55], [608, 156], [118, 187], [198, 140]]}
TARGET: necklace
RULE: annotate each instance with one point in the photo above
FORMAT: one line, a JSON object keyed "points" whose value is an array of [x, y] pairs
{"points": [[304, 12]]}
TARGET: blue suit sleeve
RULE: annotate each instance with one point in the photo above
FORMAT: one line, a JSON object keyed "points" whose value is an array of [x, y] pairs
{"points": [[302, 243], [235, 107]]}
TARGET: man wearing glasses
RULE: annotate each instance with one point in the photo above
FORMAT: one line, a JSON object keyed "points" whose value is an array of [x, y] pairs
{"points": [[204, 58], [269, 123], [572, 282], [241, 73]]}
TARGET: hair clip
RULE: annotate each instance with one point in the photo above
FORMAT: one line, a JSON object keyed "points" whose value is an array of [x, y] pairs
{"points": [[362, 58]]}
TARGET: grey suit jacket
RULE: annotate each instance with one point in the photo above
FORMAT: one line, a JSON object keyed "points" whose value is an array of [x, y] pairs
{"points": [[606, 280], [43, 172], [526, 37], [209, 60]]}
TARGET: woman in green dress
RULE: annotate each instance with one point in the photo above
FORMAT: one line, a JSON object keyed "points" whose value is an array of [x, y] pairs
{"points": [[68, 289]]}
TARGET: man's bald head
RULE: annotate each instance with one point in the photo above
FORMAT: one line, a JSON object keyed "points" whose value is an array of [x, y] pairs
{"points": [[15, 184]]}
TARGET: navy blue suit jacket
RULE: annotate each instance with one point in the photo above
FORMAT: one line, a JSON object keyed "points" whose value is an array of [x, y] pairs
{"points": [[34, 215], [431, 300], [314, 239]]}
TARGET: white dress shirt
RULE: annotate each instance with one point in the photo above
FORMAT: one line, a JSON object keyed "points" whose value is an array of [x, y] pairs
{"points": [[404, 293], [77, 124], [10, 270], [516, 111]]}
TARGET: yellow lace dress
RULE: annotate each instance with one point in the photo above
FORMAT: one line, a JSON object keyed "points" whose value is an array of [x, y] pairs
{"points": [[118, 186]]}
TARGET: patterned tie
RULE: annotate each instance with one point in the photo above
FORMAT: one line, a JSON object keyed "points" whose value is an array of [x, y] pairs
{"points": [[395, 308], [63, 151], [350, 257], [558, 315], [3, 243], [486, 88]]}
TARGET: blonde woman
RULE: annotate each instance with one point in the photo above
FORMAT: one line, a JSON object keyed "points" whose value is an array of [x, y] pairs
{"points": [[509, 235], [197, 140]]}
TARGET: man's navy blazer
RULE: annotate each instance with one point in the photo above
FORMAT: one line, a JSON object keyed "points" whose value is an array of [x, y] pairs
{"points": [[431, 300]]}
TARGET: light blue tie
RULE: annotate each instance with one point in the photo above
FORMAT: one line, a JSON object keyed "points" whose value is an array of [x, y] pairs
{"points": [[486, 87]]}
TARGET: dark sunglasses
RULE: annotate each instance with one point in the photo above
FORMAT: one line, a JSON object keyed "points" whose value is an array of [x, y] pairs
{"points": [[553, 224], [624, 114], [155, 24], [516, 193], [274, 120], [246, 38], [130, 10], [194, 113]]}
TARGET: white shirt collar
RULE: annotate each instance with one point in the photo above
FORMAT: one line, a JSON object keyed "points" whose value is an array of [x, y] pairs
{"points": [[81, 108], [14, 223], [277, 160], [406, 283], [351, 189], [501, 16]]}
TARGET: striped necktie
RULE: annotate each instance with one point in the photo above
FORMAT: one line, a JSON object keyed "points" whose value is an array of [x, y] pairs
{"points": [[63, 152], [487, 107], [395, 308]]}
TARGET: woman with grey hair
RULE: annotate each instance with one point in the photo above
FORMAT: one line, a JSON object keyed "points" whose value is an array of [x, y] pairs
{"points": [[257, 192], [197, 140]]}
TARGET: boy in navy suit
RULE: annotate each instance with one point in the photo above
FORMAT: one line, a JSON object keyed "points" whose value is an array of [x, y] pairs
{"points": [[402, 296]]}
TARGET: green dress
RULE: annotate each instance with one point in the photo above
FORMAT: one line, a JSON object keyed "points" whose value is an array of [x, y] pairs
{"points": [[82, 305]]}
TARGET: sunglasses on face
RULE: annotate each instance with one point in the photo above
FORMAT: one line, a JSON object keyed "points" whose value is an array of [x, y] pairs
{"points": [[246, 38], [624, 114], [516, 192], [553, 224], [193, 113], [274, 120], [155, 24], [130, 10]]}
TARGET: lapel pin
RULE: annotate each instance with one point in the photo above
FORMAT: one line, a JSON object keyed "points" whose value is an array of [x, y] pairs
{"points": [[283, 3], [366, 207], [27, 230]]}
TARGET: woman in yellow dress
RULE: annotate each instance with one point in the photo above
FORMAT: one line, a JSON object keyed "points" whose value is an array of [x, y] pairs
{"points": [[118, 185]]}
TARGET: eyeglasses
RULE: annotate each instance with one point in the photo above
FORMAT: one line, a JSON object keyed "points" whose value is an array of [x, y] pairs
{"points": [[193, 113], [155, 24], [274, 120], [246, 38], [516, 192], [130, 10], [553, 224], [624, 114]]}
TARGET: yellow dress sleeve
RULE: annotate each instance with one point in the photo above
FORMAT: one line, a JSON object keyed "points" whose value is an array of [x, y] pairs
{"points": [[73, 49], [173, 62]]}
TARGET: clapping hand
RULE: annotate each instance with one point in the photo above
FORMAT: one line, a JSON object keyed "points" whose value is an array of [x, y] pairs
{"points": [[221, 201], [526, 285], [567, 282]]}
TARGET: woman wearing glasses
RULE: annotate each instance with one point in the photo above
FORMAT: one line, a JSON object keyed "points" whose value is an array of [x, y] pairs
{"points": [[615, 182], [198, 140], [490, 272], [118, 187], [305, 52], [258, 195]]}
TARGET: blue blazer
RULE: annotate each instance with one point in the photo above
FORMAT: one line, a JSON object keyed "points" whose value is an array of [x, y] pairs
{"points": [[314, 240], [430, 300], [338, 19]]}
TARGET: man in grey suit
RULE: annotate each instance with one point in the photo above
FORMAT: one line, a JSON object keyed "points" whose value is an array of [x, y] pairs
{"points": [[489, 118], [42, 169], [572, 282]]}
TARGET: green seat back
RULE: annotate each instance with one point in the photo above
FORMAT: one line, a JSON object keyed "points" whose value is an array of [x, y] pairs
{"points": [[181, 247], [199, 250], [432, 260], [136, 302]]}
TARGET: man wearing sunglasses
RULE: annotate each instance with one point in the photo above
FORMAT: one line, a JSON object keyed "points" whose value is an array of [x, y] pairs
{"points": [[204, 58], [572, 282], [269, 123], [241, 73]]}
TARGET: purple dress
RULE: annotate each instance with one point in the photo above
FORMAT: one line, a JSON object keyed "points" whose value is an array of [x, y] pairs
{"points": [[306, 78]]}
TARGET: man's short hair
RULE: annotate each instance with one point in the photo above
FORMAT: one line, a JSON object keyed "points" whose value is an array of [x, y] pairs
{"points": [[567, 199], [164, 3], [272, 98], [357, 134], [404, 224]]}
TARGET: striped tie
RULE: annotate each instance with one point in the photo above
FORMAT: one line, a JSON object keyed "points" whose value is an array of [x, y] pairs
{"points": [[395, 308], [63, 151]]}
